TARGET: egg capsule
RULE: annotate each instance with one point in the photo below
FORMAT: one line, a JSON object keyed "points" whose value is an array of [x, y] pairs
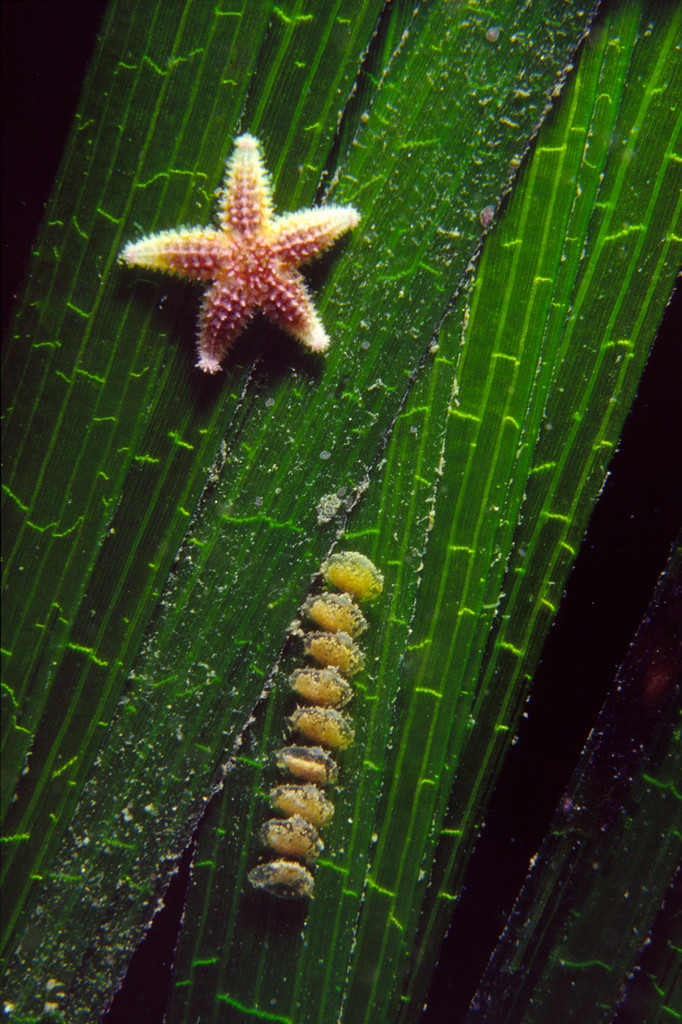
{"points": [[307, 802], [321, 686], [336, 650], [323, 725], [337, 613], [310, 763], [292, 837], [284, 878], [355, 574]]}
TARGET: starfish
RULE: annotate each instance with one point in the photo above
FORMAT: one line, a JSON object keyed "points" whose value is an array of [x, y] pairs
{"points": [[252, 258]]}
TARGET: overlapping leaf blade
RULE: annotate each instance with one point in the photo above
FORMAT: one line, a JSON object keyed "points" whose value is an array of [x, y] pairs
{"points": [[604, 344], [611, 853]]}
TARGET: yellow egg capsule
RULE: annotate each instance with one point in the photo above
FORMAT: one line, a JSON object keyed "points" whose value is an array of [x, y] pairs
{"points": [[355, 574], [286, 879], [336, 650], [310, 763], [323, 725], [321, 686], [308, 802], [292, 837], [337, 613]]}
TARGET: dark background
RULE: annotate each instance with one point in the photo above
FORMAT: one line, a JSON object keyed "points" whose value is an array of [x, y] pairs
{"points": [[46, 48]]}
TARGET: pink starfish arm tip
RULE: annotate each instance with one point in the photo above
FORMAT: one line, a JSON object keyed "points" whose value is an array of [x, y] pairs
{"points": [[310, 332], [318, 340], [129, 254], [208, 363], [246, 141]]}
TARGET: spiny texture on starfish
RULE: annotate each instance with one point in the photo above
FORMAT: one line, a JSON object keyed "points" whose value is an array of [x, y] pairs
{"points": [[251, 259]]}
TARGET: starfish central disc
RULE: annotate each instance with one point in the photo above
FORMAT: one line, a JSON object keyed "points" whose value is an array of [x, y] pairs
{"points": [[251, 260]]}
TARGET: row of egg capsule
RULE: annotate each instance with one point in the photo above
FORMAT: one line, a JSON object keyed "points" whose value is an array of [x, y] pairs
{"points": [[295, 838]]}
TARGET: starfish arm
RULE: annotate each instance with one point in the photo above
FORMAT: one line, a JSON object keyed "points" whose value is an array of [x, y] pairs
{"points": [[190, 252], [290, 306], [298, 237], [245, 203], [224, 313]]}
